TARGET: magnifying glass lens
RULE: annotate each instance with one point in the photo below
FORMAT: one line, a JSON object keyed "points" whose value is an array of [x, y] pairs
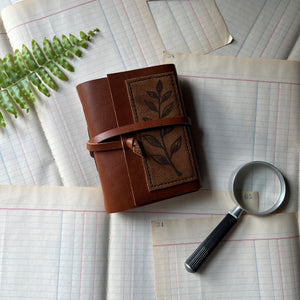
{"points": [[257, 188]]}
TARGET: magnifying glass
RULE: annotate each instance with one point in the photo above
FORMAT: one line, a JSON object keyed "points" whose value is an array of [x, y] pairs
{"points": [[258, 188]]}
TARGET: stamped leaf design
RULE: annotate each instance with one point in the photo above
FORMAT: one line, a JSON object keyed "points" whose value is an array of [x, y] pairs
{"points": [[153, 141], [159, 87], [166, 130], [176, 146], [162, 111], [166, 96], [151, 105], [167, 110], [152, 94], [160, 159], [25, 69]]}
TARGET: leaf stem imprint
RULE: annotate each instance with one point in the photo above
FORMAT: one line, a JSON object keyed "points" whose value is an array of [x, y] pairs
{"points": [[162, 112]]}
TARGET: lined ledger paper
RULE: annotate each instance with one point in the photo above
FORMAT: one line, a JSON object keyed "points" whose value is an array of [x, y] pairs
{"points": [[258, 260], [58, 243], [260, 28], [242, 109], [53, 243], [190, 26]]}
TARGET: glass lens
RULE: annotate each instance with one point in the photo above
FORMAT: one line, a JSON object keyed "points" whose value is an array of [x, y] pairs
{"points": [[258, 188]]}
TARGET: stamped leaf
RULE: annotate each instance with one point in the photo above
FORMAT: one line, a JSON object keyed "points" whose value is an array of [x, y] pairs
{"points": [[165, 159], [160, 159], [167, 109], [153, 141], [151, 105], [159, 87], [166, 96], [152, 95], [176, 145], [166, 130]]}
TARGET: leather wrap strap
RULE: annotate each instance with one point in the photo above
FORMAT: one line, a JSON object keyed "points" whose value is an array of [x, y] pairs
{"points": [[99, 142]]}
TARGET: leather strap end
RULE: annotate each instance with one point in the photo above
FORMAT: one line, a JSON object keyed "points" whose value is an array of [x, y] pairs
{"points": [[96, 147], [135, 146]]}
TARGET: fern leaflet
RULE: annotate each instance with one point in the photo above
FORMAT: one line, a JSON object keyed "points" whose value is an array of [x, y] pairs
{"points": [[24, 69]]}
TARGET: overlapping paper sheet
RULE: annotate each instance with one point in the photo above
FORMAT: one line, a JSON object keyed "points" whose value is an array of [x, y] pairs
{"points": [[54, 243], [259, 259], [261, 28], [242, 109]]}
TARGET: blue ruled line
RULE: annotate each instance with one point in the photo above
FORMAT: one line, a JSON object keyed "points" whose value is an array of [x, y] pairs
{"points": [[266, 26], [60, 243], [5, 168], [257, 275], [72, 268], [254, 128], [178, 27], [242, 45], [112, 35]]}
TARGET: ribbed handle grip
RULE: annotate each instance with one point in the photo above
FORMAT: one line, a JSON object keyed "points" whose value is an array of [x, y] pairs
{"points": [[208, 245]]}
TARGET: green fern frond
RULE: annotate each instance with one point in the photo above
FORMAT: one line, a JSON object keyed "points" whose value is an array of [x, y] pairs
{"points": [[25, 69]]}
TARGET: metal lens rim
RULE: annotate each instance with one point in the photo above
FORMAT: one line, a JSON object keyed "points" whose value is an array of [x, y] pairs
{"points": [[281, 180]]}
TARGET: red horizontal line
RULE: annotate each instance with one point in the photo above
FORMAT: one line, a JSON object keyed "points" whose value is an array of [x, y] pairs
{"points": [[103, 211], [239, 79], [234, 240], [52, 209], [176, 213], [50, 15]]}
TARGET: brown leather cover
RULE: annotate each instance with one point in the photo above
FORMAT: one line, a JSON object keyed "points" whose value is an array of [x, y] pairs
{"points": [[139, 136]]}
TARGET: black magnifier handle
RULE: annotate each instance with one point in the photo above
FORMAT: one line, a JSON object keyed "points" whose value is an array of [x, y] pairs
{"points": [[197, 258]]}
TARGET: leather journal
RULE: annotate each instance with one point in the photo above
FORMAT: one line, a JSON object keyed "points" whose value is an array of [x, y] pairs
{"points": [[139, 136]]}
